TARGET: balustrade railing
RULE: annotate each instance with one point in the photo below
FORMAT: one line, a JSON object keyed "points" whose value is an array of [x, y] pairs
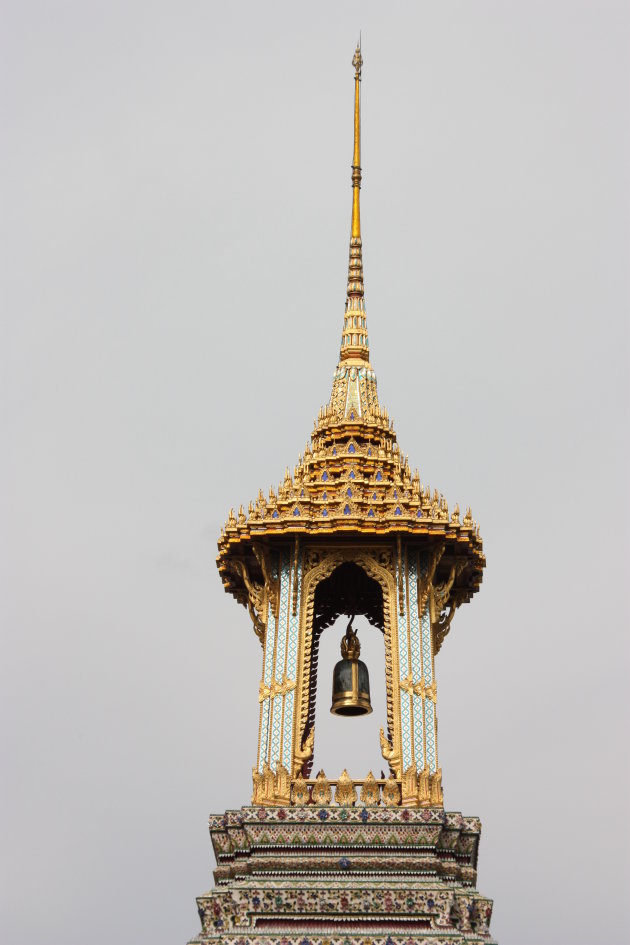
{"points": [[345, 791]]}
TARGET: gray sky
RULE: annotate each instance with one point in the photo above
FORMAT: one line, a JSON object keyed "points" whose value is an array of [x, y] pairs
{"points": [[176, 209]]}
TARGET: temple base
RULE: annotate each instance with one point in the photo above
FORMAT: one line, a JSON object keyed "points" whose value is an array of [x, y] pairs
{"points": [[344, 875]]}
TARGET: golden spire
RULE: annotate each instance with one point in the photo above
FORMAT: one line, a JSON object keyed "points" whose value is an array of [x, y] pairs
{"points": [[357, 62], [354, 339]]}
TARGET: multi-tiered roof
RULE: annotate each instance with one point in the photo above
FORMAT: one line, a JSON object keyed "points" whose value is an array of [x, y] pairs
{"points": [[353, 481]]}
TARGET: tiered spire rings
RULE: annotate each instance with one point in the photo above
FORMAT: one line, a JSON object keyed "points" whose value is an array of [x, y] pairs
{"points": [[354, 383], [354, 339]]}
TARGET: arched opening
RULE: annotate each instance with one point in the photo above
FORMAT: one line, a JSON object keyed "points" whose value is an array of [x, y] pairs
{"points": [[351, 743]]}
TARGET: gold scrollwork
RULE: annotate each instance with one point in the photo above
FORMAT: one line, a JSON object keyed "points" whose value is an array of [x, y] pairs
{"points": [[271, 790], [425, 582], [272, 585], [419, 689], [259, 596], [256, 599], [275, 688], [296, 558], [322, 792], [410, 786], [401, 577], [443, 597], [345, 794], [370, 792], [392, 757], [422, 789], [311, 559], [384, 558], [442, 625], [299, 792], [391, 792], [441, 591], [303, 754], [437, 795]]}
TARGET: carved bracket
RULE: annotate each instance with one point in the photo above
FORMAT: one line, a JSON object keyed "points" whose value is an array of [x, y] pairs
{"points": [[443, 598], [304, 753], [425, 583], [259, 596], [441, 626], [392, 757], [272, 585], [256, 600]]}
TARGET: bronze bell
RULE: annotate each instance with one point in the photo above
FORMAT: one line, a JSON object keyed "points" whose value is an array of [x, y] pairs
{"points": [[351, 683]]}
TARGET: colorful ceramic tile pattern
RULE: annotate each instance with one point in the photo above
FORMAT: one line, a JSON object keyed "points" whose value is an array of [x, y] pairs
{"points": [[416, 661], [291, 662], [265, 706], [318, 876]]}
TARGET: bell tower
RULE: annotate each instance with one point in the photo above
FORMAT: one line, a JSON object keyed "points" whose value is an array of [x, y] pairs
{"points": [[345, 855]]}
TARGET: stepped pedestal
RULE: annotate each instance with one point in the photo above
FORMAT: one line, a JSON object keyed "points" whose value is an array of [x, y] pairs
{"points": [[344, 875]]}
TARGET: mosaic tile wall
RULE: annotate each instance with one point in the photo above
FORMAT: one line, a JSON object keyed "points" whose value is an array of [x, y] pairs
{"points": [[344, 876], [280, 666], [417, 714]]}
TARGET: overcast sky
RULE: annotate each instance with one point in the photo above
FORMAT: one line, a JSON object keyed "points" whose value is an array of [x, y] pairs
{"points": [[175, 223]]}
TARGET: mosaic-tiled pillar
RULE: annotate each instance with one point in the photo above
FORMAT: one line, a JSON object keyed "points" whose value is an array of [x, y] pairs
{"points": [[267, 677], [277, 690], [415, 658]]}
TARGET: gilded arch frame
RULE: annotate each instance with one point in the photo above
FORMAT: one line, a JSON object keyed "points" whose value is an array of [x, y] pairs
{"points": [[376, 561]]}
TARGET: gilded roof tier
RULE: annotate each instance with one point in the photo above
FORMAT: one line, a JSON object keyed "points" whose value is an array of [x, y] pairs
{"points": [[352, 480]]}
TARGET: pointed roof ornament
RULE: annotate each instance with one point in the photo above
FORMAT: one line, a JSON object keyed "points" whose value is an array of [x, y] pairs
{"points": [[354, 339], [357, 62]]}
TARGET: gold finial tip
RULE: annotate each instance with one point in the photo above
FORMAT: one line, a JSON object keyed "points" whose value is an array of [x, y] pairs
{"points": [[357, 60]]}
